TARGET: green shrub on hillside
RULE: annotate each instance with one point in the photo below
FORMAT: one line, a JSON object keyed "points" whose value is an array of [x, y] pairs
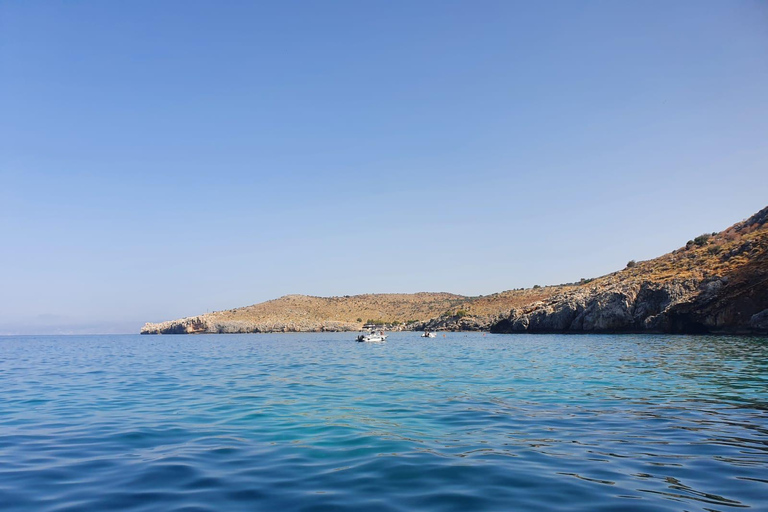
{"points": [[702, 239]]}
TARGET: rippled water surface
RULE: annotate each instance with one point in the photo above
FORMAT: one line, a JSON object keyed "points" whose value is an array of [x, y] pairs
{"points": [[318, 422]]}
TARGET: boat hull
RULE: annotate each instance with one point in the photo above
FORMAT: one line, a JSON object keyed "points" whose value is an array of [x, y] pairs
{"points": [[371, 338]]}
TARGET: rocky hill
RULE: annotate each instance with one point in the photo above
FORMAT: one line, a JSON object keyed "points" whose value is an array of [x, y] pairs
{"points": [[717, 282], [301, 313]]}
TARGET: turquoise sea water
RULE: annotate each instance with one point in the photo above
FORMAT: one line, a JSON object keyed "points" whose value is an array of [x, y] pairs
{"points": [[318, 422]]}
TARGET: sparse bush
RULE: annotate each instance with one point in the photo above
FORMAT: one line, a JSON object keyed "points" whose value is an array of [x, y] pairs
{"points": [[461, 313], [536, 287], [359, 319], [631, 264], [702, 239], [714, 249]]}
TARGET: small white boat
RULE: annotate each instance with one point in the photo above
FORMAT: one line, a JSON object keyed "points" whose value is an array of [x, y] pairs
{"points": [[373, 337], [428, 334]]}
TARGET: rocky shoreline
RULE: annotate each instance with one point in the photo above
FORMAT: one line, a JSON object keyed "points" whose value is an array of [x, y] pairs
{"points": [[675, 307], [198, 325], [717, 283]]}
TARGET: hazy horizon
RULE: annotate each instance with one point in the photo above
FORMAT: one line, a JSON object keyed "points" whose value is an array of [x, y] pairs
{"points": [[165, 160]]}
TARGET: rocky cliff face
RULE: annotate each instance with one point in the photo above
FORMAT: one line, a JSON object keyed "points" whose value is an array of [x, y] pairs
{"points": [[194, 325], [198, 325], [458, 323], [718, 283], [734, 304], [618, 306]]}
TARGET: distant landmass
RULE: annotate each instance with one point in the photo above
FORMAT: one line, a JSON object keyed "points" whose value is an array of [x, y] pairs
{"points": [[716, 283]]}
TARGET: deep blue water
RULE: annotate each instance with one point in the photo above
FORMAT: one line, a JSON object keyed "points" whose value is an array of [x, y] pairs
{"points": [[318, 422]]}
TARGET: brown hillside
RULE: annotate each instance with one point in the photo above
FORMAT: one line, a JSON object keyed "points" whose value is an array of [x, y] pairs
{"points": [[714, 274], [718, 282], [300, 313]]}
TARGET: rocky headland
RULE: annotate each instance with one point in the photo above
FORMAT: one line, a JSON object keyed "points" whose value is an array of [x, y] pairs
{"points": [[716, 283]]}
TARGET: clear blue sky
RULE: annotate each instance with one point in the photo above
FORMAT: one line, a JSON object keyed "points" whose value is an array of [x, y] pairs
{"points": [[162, 159]]}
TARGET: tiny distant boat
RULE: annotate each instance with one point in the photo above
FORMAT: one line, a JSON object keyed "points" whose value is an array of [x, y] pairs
{"points": [[373, 337], [428, 334]]}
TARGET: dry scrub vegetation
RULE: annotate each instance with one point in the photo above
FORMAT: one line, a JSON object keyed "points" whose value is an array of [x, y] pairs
{"points": [[739, 247]]}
